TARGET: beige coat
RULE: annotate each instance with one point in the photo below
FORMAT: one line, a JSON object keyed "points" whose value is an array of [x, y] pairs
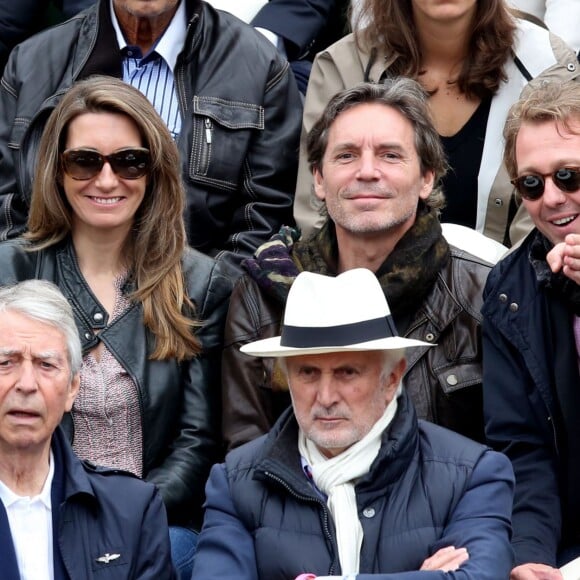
{"points": [[543, 55]]}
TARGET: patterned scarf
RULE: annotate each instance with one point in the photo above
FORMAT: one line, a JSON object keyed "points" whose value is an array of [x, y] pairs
{"points": [[406, 276]]}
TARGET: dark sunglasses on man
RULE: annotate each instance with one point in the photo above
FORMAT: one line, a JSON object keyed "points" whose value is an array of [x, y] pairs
{"points": [[128, 163], [531, 186]]}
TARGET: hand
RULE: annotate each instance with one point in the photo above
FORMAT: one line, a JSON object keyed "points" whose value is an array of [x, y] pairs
{"points": [[446, 559], [535, 572], [565, 256]]}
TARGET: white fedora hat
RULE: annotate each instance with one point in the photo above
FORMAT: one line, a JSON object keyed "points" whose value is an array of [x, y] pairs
{"points": [[326, 314]]}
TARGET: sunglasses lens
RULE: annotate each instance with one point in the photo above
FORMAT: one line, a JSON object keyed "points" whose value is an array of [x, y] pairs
{"points": [[567, 180], [82, 164], [531, 186], [130, 163]]}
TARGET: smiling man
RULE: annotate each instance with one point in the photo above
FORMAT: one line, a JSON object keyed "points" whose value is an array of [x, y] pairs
{"points": [[348, 483], [377, 163], [531, 333], [61, 518]]}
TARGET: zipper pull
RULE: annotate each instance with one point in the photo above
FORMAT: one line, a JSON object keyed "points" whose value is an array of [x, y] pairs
{"points": [[208, 131]]}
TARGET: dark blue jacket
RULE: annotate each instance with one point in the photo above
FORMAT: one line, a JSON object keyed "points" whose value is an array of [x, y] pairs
{"points": [[102, 511], [303, 24], [522, 415], [427, 489]]}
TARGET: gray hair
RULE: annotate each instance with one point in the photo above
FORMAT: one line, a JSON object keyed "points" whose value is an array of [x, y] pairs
{"points": [[43, 301], [391, 358], [405, 96]]}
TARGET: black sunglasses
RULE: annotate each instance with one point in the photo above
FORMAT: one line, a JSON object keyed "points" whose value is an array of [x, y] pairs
{"points": [[532, 186], [83, 164]]}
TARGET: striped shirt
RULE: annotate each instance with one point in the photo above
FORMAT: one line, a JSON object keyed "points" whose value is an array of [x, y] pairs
{"points": [[152, 73]]}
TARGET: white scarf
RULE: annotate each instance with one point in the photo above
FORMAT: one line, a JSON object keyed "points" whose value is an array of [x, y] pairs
{"points": [[337, 476]]}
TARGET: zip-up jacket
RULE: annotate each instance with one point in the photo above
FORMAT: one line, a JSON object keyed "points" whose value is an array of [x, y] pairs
{"points": [[428, 488], [106, 524]]}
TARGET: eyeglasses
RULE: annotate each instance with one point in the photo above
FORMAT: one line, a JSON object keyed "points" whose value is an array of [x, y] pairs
{"points": [[83, 164], [531, 187]]}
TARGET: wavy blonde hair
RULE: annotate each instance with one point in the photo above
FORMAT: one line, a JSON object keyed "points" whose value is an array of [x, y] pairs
{"points": [[548, 102], [157, 241]]}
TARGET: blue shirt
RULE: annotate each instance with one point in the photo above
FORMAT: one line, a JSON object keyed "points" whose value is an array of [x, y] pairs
{"points": [[152, 73]]}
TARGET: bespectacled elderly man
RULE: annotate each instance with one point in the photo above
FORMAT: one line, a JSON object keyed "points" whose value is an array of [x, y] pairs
{"points": [[60, 518], [349, 484], [531, 334]]}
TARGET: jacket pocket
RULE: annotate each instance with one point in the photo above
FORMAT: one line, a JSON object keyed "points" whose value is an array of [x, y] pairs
{"points": [[222, 131], [459, 403], [459, 376]]}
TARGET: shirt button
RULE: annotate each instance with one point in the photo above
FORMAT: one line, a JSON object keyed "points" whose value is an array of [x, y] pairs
{"points": [[571, 67], [429, 337], [369, 512], [514, 307], [452, 380], [498, 201], [88, 335], [98, 317]]}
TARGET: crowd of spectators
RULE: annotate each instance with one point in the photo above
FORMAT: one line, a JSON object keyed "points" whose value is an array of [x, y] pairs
{"points": [[175, 167]]}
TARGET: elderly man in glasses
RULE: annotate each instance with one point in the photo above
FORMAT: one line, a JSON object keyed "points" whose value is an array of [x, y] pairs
{"points": [[531, 333]]}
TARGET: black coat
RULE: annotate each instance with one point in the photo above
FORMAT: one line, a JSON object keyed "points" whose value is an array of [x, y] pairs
{"points": [[523, 416], [232, 85], [180, 407]]}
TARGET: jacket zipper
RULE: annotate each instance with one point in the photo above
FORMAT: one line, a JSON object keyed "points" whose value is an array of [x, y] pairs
{"points": [[306, 498]]}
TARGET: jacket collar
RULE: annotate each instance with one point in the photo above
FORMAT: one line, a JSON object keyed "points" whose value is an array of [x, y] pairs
{"points": [[280, 460], [516, 306], [70, 475], [104, 56]]}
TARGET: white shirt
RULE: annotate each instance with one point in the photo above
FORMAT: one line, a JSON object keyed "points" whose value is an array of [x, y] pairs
{"points": [[562, 17], [30, 520]]}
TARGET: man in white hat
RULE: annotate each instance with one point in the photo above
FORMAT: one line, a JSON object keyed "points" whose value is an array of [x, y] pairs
{"points": [[377, 162], [349, 484]]}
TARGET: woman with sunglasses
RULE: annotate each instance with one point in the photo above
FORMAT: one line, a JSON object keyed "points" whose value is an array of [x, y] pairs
{"points": [[106, 226], [474, 58]]}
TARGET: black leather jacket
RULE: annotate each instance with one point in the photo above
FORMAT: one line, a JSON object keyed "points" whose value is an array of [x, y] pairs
{"points": [[241, 116], [444, 381], [179, 402]]}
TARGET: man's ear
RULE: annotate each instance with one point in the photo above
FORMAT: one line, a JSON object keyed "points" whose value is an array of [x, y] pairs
{"points": [[319, 189], [428, 183], [398, 371]]}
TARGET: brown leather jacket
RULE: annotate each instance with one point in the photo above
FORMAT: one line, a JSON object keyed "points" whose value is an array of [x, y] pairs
{"points": [[445, 381]]}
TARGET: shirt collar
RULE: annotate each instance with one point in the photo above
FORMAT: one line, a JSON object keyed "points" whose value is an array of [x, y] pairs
{"points": [[171, 42], [8, 497]]}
